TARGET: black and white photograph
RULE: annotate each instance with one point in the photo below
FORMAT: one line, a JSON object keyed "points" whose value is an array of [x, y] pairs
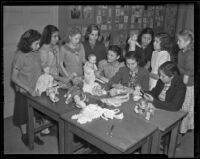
{"points": [[100, 79]]}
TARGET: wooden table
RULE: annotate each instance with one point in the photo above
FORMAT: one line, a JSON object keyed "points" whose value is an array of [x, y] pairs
{"points": [[129, 134], [167, 122], [53, 110]]}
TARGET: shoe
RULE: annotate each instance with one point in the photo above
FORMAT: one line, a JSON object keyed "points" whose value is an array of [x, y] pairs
{"points": [[38, 141], [45, 131], [51, 133], [24, 139]]}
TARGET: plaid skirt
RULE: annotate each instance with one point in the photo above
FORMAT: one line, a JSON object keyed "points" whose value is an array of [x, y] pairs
{"points": [[188, 106]]}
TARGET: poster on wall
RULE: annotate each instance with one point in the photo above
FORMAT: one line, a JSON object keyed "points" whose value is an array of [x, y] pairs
{"points": [[75, 14]]}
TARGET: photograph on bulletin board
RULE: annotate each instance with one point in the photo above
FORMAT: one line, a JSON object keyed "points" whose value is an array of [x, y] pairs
{"points": [[88, 14], [75, 14]]}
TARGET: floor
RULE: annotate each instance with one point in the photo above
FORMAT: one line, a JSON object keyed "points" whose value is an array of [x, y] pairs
{"points": [[14, 145]]}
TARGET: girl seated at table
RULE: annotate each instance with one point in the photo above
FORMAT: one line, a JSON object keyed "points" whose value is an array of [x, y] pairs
{"points": [[131, 74], [109, 67], [169, 92]]}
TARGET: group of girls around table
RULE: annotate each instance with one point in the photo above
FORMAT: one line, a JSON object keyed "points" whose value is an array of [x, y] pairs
{"points": [[147, 63]]}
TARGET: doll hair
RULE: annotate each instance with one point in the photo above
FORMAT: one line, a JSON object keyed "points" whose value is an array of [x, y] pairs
{"points": [[187, 34], [169, 68], [146, 31], [47, 33], [89, 30], [27, 39], [165, 41], [91, 55]]}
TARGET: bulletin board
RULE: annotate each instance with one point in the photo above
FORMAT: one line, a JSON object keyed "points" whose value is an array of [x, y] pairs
{"points": [[116, 21], [159, 18], [171, 19]]}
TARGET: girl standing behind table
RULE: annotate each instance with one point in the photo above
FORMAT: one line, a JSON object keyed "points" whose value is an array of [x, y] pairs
{"points": [[72, 55], [146, 39], [186, 66], [25, 73], [142, 44], [110, 66], [49, 51], [160, 55], [169, 92], [92, 45]]}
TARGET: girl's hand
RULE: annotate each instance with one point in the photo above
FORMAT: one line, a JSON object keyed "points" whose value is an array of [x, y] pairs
{"points": [[118, 86], [148, 97]]}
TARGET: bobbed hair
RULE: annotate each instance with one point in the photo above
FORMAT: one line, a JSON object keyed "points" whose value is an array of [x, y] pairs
{"points": [[27, 39], [89, 30]]}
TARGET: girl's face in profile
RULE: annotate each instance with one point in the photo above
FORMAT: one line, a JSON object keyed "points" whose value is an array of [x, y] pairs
{"points": [[112, 56], [35, 45], [146, 40], [182, 43], [54, 38], [93, 36], [75, 39], [156, 44]]}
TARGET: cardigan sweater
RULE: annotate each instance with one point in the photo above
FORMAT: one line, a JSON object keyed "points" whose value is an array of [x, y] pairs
{"points": [[175, 95]]}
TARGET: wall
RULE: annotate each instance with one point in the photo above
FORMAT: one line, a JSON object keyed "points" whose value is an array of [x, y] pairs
{"points": [[185, 17], [16, 20]]}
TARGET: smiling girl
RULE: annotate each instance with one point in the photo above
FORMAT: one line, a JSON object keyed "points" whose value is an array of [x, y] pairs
{"points": [[109, 67], [72, 54]]}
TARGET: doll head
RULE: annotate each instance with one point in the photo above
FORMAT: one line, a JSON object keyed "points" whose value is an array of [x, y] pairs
{"points": [[46, 70], [92, 59]]}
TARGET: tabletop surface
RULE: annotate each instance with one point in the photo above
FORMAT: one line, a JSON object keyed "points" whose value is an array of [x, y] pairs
{"points": [[163, 118], [126, 133], [59, 107]]}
